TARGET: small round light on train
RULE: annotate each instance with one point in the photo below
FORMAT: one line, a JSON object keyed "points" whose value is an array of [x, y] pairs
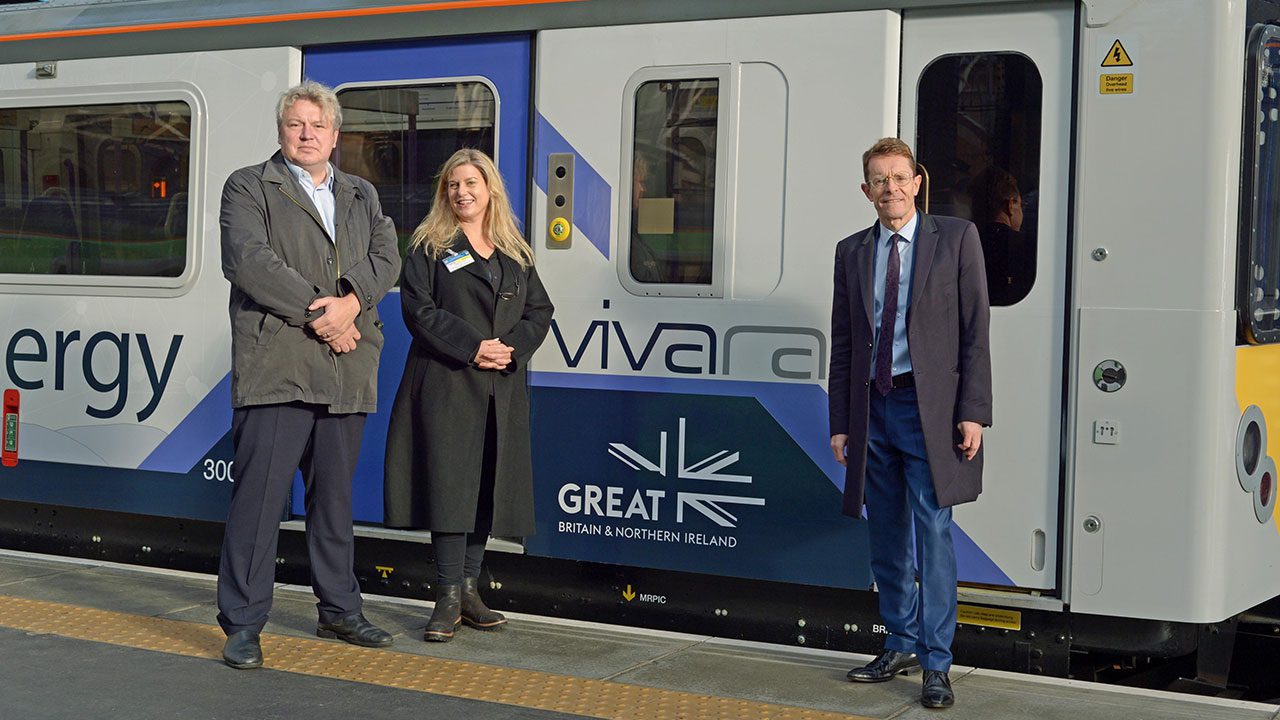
{"points": [[559, 229], [1264, 493], [1251, 447]]}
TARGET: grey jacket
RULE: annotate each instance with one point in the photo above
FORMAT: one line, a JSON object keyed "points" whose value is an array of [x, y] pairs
{"points": [[279, 259]]}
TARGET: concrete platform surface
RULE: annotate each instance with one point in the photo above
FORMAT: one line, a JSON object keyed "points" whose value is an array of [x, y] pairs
{"points": [[93, 640]]}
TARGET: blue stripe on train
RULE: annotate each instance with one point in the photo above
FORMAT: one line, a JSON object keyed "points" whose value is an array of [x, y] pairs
{"points": [[800, 410], [197, 432], [592, 194]]}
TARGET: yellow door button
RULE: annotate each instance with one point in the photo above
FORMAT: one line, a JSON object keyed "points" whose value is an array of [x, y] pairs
{"points": [[559, 229]]}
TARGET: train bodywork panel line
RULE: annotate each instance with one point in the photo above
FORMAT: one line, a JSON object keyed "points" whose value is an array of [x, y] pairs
{"points": [[280, 18]]}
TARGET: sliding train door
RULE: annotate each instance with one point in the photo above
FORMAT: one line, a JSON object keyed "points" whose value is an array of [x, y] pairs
{"points": [[691, 183], [406, 108], [986, 102]]}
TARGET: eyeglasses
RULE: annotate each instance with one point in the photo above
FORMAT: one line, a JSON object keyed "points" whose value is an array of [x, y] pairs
{"points": [[510, 295], [900, 180]]}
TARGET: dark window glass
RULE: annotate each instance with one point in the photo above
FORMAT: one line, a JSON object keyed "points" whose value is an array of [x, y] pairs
{"points": [[95, 189], [673, 189], [398, 137], [979, 142], [1259, 280]]}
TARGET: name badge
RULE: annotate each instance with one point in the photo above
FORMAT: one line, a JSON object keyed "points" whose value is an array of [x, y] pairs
{"points": [[458, 260]]}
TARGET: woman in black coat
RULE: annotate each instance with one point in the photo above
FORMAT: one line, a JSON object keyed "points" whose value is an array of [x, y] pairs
{"points": [[458, 457]]}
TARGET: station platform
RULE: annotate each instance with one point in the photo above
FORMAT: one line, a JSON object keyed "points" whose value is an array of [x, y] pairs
{"points": [[84, 639]]}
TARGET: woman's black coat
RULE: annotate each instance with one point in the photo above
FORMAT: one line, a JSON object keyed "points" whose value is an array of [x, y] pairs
{"points": [[435, 444]]}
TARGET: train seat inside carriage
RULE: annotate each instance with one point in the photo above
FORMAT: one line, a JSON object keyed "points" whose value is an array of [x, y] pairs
{"points": [[49, 216], [56, 238], [175, 219]]}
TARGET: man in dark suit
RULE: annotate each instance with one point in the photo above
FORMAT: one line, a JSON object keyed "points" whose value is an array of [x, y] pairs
{"points": [[910, 391], [309, 254]]}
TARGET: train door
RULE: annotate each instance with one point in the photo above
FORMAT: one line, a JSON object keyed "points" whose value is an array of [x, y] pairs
{"points": [[986, 101], [691, 183], [406, 108]]}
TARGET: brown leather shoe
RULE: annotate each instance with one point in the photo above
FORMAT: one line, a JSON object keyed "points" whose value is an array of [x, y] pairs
{"points": [[447, 615], [886, 665], [474, 612]]}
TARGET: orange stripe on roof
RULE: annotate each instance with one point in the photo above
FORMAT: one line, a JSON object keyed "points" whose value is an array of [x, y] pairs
{"points": [[283, 17]]}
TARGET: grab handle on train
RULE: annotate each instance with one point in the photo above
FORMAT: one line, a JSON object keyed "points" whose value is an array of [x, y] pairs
{"points": [[924, 187]]}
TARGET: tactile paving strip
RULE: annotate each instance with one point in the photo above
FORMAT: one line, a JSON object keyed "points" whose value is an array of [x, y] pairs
{"points": [[388, 668]]}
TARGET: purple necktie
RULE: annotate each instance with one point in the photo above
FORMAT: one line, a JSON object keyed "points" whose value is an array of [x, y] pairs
{"points": [[888, 315]]}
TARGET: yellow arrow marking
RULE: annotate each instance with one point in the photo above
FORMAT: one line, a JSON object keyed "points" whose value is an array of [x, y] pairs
{"points": [[628, 594], [384, 570]]}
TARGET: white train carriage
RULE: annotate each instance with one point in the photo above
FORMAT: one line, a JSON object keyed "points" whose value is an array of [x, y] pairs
{"points": [[684, 170]]}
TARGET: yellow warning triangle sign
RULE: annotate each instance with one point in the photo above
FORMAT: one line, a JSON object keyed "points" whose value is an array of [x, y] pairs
{"points": [[1117, 57]]}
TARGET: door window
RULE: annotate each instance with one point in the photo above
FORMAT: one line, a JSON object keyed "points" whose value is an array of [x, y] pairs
{"points": [[979, 143], [673, 184], [1260, 259], [397, 137]]}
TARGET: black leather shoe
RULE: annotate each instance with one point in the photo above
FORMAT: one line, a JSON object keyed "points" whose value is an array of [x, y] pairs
{"points": [[447, 615], [474, 611], [356, 630], [936, 692], [243, 650], [886, 665]]}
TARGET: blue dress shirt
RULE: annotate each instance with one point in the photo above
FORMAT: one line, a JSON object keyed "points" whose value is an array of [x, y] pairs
{"points": [[321, 196], [901, 355]]}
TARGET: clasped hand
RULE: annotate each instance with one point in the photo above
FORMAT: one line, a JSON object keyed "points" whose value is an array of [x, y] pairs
{"points": [[336, 327], [493, 355]]}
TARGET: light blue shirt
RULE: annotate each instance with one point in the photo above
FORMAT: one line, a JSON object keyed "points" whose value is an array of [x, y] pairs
{"points": [[901, 355], [321, 196]]}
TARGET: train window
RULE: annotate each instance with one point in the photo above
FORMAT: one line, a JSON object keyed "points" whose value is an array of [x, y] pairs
{"points": [[979, 142], [671, 239], [1259, 281], [95, 189], [398, 136]]}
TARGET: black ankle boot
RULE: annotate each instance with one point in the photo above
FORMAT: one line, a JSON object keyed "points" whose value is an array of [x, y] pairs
{"points": [[474, 612], [446, 616]]}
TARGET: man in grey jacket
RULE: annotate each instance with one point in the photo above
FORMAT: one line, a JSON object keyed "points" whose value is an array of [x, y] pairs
{"points": [[309, 254]]}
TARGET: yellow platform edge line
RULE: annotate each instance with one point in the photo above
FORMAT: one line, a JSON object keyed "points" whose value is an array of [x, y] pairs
{"points": [[533, 689]]}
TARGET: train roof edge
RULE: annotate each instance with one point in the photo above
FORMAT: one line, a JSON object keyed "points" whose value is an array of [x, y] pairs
{"points": [[74, 29]]}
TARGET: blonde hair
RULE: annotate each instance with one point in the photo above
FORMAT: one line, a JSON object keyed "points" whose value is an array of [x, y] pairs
{"points": [[436, 231], [314, 92]]}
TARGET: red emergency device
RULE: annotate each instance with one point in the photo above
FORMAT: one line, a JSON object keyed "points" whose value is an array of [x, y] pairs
{"points": [[9, 450]]}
